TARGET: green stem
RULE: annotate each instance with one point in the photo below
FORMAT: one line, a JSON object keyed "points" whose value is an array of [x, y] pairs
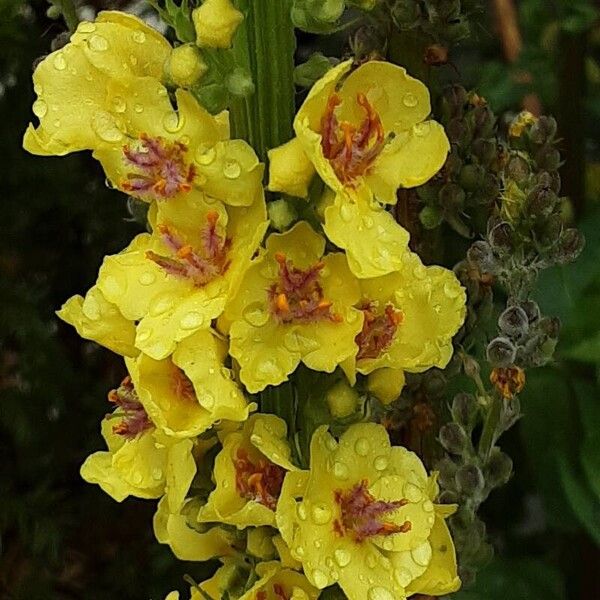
{"points": [[69, 13], [490, 427], [265, 45]]}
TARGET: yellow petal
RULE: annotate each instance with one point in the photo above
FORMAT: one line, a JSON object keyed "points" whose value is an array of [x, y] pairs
{"points": [[180, 469], [96, 319], [386, 384], [290, 170], [373, 241], [216, 21]]}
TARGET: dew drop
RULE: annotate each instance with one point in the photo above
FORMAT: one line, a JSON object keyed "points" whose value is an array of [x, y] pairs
{"points": [[98, 43], [106, 128], [172, 122], [207, 157], [147, 278], [422, 129], [340, 471], [115, 284], [409, 100], [428, 506], [301, 511], [256, 315], [40, 108], [362, 446], [133, 59], [346, 213], [412, 493], [342, 557], [402, 576], [161, 304], [192, 320], [321, 514], [138, 108], [379, 593], [368, 222], [422, 554], [208, 401], [371, 560], [143, 335], [86, 27], [232, 169], [91, 308], [60, 64], [137, 478], [139, 37], [299, 551], [119, 104], [452, 291], [380, 463], [320, 579], [157, 474]]}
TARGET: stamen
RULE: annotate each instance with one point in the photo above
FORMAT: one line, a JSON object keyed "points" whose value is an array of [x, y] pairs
{"points": [[134, 419], [161, 170], [361, 514], [298, 295], [378, 330], [202, 265], [351, 150], [182, 385], [259, 482]]}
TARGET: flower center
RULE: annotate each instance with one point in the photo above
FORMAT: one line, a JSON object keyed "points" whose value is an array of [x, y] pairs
{"points": [[298, 295], [351, 149], [260, 482], [134, 419], [279, 593], [182, 385], [160, 169], [362, 516], [202, 265], [378, 330]]}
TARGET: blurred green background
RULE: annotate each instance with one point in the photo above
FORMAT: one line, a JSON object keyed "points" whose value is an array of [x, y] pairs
{"points": [[62, 539]]}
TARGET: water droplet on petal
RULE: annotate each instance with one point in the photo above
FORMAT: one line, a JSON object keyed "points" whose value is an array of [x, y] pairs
{"points": [[147, 278], [208, 400], [346, 212], [60, 64], [160, 304], [299, 552], [232, 169], [115, 284], [86, 27], [207, 157], [138, 108], [422, 129], [428, 506], [256, 315], [98, 43], [342, 557], [412, 493], [380, 593], [139, 37], [422, 554], [409, 100], [301, 511], [106, 128], [137, 478], [362, 446], [340, 471], [380, 463], [91, 308], [402, 576], [320, 579], [133, 59], [119, 104], [321, 514], [40, 108], [371, 560], [192, 320], [157, 474], [368, 222], [143, 335], [172, 122]]}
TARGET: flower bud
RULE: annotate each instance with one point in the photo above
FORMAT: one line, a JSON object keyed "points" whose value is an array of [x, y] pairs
{"points": [[215, 22], [54, 12], [464, 410], [485, 150], [571, 244], [501, 237], [185, 66], [239, 83], [501, 352], [434, 383], [541, 202], [446, 469], [514, 322], [452, 197], [498, 468], [405, 12], [480, 254], [548, 158], [532, 310], [453, 438], [518, 169], [342, 399], [456, 131], [550, 326], [290, 170], [471, 177], [470, 367], [281, 214], [549, 231], [312, 70], [543, 130], [469, 480], [386, 384], [430, 217]]}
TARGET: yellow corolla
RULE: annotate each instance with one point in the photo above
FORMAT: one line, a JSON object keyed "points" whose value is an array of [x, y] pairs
{"points": [[293, 305], [363, 516], [366, 133], [248, 473], [97, 319], [277, 583], [186, 393], [141, 460], [177, 279], [187, 543], [104, 92], [215, 22], [410, 318]]}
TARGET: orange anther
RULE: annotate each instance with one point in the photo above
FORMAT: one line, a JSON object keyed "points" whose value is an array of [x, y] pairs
{"points": [[185, 251], [212, 217], [323, 304], [282, 303], [280, 257]]}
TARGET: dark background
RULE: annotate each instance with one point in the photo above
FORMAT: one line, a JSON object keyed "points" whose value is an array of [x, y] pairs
{"points": [[63, 539]]}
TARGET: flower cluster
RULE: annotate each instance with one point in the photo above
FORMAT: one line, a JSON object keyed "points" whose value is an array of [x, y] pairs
{"points": [[210, 317]]}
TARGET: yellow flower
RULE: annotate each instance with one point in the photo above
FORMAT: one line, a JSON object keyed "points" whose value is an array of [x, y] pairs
{"points": [[87, 100], [216, 21], [386, 384], [363, 516], [248, 473], [410, 318], [185, 66], [96, 319], [187, 543], [518, 125], [140, 461], [177, 279], [186, 393], [276, 583], [294, 304], [366, 133], [290, 170]]}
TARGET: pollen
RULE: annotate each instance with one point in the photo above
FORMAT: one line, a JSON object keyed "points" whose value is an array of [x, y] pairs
{"points": [[133, 417], [260, 481], [351, 149], [378, 330], [363, 517], [298, 296], [201, 264], [160, 169]]}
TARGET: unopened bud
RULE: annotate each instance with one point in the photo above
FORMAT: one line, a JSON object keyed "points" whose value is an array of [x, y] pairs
{"points": [[543, 130], [185, 66], [485, 150], [498, 468], [548, 158], [312, 70], [532, 310], [342, 400], [470, 366], [571, 244], [501, 352], [541, 202], [550, 326], [453, 438], [430, 217], [281, 214], [239, 83], [464, 410], [501, 237], [215, 22], [471, 177], [446, 469], [53, 12], [456, 131], [452, 197], [469, 480], [514, 322], [480, 254], [518, 169]]}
